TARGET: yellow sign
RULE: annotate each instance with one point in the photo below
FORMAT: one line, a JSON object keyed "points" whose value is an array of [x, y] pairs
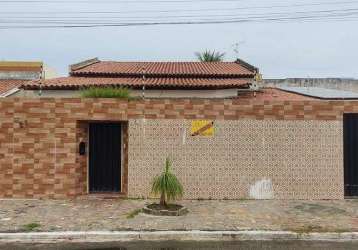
{"points": [[202, 127], [258, 77]]}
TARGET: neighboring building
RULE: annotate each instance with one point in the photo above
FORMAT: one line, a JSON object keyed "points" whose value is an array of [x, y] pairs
{"points": [[347, 84], [13, 74], [321, 93], [151, 79], [273, 94]]}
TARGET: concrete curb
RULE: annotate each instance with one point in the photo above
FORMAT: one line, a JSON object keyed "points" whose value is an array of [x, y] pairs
{"points": [[195, 235]]}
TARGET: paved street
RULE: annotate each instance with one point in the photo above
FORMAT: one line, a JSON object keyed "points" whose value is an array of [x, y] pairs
{"points": [[121, 214]]}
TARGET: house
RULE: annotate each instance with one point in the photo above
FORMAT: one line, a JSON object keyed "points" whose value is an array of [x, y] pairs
{"points": [[13, 74], [265, 143], [150, 79]]}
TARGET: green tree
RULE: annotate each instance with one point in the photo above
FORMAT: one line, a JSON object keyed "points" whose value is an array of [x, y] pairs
{"points": [[167, 185], [210, 56]]}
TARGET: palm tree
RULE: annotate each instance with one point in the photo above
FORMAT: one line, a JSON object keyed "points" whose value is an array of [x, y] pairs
{"points": [[210, 56], [167, 185]]}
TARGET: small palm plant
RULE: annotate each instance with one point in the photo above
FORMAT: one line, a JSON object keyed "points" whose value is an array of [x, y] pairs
{"points": [[167, 185], [210, 56]]}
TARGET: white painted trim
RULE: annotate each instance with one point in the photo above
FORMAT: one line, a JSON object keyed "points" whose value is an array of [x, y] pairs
{"points": [[10, 92]]}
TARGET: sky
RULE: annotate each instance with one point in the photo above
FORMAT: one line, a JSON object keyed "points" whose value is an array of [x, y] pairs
{"points": [[310, 38]]}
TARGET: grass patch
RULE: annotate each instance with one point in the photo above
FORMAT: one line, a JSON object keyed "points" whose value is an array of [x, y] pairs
{"points": [[308, 229], [108, 92], [31, 226], [319, 209], [134, 213], [317, 229]]}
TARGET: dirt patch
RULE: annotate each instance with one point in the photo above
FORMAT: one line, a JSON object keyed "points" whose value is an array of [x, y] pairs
{"points": [[170, 207], [169, 210]]}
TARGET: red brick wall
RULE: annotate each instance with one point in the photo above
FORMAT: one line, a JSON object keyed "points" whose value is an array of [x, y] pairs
{"points": [[39, 137]]}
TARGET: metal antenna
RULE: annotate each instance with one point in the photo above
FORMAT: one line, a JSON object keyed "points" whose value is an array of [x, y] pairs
{"points": [[143, 82], [41, 77], [236, 48]]}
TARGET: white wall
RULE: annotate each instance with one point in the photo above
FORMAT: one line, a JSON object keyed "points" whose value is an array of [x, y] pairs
{"points": [[155, 93]]}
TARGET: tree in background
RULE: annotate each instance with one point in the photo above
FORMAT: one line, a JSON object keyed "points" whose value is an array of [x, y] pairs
{"points": [[210, 56]]}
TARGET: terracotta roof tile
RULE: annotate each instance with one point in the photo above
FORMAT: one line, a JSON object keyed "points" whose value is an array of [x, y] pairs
{"points": [[78, 82], [157, 74], [165, 69], [7, 85]]}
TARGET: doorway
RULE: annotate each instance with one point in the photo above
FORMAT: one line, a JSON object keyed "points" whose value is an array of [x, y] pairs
{"points": [[105, 157], [350, 140]]}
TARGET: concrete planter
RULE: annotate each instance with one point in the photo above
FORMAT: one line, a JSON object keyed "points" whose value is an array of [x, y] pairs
{"points": [[172, 210]]}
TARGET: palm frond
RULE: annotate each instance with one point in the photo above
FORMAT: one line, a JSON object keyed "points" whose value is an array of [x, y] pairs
{"points": [[210, 56], [167, 184]]}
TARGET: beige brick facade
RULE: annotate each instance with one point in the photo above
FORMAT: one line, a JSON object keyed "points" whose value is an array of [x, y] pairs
{"points": [[260, 149]]}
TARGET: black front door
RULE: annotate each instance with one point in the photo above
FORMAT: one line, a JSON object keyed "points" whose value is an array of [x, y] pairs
{"points": [[104, 157], [350, 133]]}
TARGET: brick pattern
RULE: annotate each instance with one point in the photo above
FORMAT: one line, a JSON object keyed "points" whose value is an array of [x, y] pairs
{"points": [[39, 137]]}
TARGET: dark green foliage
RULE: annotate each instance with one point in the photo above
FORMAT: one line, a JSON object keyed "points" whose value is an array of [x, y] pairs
{"points": [[31, 226], [107, 92], [210, 56]]}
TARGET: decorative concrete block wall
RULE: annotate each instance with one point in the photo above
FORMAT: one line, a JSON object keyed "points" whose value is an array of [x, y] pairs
{"points": [[244, 159]]}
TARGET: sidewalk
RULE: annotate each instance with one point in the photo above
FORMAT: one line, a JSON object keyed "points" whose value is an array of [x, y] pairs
{"points": [[122, 215]]}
